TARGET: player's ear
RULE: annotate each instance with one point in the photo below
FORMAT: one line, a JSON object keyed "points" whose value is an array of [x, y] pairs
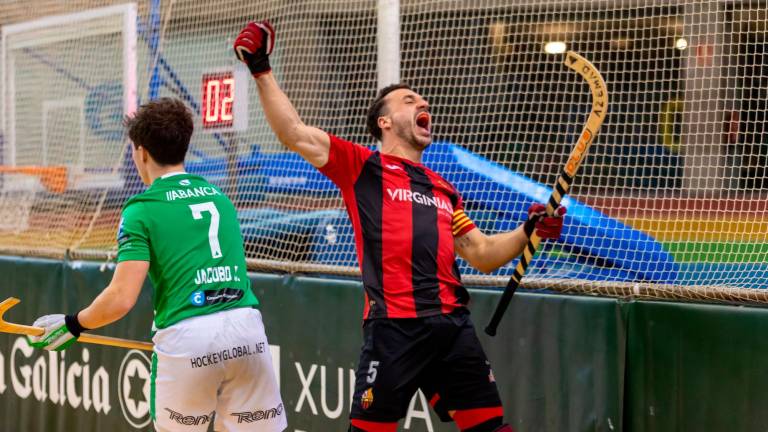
{"points": [[143, 154], [384, 122]]}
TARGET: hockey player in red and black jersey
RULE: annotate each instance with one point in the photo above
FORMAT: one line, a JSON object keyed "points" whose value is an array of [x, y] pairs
{"points": [[409, 224]]}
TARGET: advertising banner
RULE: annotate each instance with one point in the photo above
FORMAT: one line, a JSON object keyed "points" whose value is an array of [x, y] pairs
{"points": [[558, 360]]}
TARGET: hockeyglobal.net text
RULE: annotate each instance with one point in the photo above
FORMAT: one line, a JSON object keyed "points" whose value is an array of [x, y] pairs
{"points": [[227, 354]]}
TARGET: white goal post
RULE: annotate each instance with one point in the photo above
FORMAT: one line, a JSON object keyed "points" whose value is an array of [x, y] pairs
{"points": [[31, 39]]}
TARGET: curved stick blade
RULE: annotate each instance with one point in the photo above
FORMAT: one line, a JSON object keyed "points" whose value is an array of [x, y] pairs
{"points": [[21, 329]]}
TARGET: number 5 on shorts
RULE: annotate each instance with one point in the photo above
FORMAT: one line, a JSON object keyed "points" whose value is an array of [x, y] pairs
{"points": [[213, 229], [372, 371]]}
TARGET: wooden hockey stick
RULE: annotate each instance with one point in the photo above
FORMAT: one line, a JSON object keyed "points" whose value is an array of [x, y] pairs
{"points": [[599, 108], [21, 329], [53, 178]]}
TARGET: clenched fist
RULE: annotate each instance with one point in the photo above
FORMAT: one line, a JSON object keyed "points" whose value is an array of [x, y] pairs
{"points": [[253, 46], [547, 227]]}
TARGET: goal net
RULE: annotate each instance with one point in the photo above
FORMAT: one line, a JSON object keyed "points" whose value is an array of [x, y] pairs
{"points": [[670, 201], [67, 81]]}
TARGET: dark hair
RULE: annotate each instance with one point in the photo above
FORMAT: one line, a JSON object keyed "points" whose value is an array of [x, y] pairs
{"points": [[163, 127], [377, 108]]}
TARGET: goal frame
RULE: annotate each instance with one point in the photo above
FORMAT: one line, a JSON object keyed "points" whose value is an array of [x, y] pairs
{"points": [[129, 14]]}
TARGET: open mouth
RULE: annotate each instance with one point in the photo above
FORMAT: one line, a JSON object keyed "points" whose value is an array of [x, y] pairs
{"points": [[423, 121]]}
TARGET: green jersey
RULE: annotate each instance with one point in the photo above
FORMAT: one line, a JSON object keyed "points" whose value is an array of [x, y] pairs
{"points": [[188, 231]]}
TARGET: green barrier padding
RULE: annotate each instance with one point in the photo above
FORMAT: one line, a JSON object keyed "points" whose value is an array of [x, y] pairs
{"points": [[696, 368], [558, 360], [79, 389]]}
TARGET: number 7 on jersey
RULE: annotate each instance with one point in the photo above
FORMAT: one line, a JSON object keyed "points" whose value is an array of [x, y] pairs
{"points": [[213, 229]]}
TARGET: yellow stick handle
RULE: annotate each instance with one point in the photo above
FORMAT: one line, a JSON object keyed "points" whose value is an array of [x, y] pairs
{"points": [[599, 91]]}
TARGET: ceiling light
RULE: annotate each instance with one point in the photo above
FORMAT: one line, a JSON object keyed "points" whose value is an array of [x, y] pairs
{"points": [[555, 47]]}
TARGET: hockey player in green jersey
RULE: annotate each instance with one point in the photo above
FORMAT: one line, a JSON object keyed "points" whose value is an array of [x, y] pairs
{"points": [[211, 352]]}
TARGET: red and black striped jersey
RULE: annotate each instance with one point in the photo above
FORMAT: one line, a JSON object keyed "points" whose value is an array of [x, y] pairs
{"points": [[405, 217]]}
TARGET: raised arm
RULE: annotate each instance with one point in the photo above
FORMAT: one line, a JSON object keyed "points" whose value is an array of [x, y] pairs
{"points": [[253, 46], [489, 252]]}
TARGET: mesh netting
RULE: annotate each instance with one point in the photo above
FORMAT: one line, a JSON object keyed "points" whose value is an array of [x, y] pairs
{"points": [[670, 201]]}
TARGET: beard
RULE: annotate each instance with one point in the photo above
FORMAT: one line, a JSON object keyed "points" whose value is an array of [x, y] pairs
{"points": [[407, 134]]}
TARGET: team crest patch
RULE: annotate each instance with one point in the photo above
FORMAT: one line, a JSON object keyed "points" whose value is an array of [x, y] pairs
{"points": [[491, 377], [122, 236], [366, 400]]}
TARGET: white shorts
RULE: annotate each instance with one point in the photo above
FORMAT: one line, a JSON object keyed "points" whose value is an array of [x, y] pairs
{"points": [[218, 363]]}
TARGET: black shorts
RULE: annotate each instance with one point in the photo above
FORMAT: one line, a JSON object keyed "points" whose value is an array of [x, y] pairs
{"points": [[441, 355]]}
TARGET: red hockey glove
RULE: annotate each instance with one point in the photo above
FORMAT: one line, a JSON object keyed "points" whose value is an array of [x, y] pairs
{"points": [[547, 227], [253, 46]]}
